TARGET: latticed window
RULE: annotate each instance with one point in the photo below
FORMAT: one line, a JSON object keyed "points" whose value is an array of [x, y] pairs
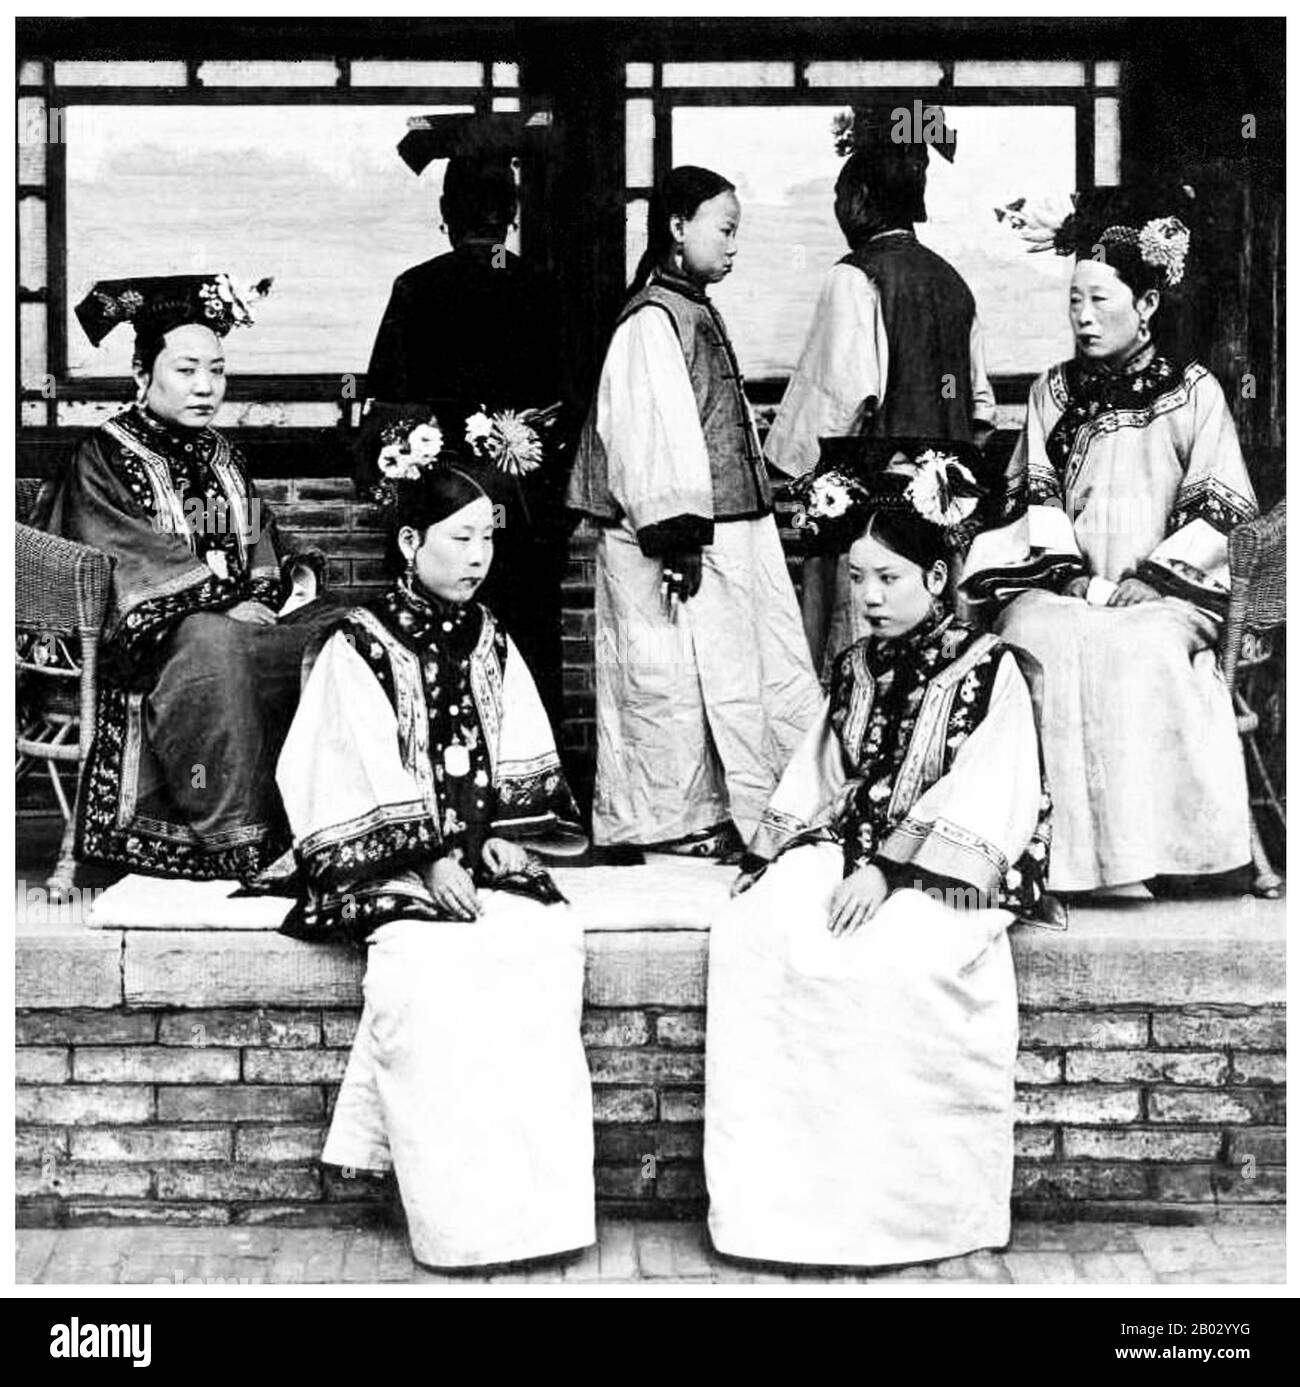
{"points": [[1023, 128]]}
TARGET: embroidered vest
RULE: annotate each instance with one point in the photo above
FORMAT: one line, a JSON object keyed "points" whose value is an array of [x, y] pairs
{"points": [[740, 486], [928, 312]]}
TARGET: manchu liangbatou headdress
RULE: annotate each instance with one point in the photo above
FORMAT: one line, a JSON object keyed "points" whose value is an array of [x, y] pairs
{"points": [[155, 304]]}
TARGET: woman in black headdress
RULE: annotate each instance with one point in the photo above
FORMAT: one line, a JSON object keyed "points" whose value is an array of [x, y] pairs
{"points": [[476, 334], [202, 641], [419, 764]]}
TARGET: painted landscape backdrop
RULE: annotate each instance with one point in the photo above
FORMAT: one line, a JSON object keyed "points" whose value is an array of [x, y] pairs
{"points": [[317, 197]]}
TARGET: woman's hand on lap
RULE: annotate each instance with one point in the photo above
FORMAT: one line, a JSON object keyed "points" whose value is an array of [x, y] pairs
{"points": [[856, 899], [253, 613], [744, 880], [452, 889], [1077, 587], [503, 858], [1132, 591]]}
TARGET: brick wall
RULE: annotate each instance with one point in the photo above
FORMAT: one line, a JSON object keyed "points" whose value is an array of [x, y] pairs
{"points": [[323, 513], [218, 1115]]}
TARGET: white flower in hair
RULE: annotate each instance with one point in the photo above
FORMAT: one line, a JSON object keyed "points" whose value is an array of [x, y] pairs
{"points": [[425, 443], [829, 498], [397, 464], [1036, 222], [514, 445], [930, 490], [478, 428], [1164, 242]]}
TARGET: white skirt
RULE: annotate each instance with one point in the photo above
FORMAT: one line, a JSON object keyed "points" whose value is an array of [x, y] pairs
{"points": [[859, 1090], [469, 1077], [1139, 739]]}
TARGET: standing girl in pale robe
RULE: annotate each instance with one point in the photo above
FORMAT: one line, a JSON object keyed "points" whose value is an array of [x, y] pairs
{"points": [[703, 681], [418, 765]]}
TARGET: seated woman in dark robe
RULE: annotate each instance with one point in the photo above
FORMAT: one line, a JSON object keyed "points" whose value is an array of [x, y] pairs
{"points": [[200, 649]]}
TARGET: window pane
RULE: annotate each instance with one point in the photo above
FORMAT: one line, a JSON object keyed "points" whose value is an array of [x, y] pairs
{"points": [[638, 223], [918, 74], [1107, 74], [31, 243], [783, 163], [1106, 146], [640, 74], [639, 151], [31, 74], [372, 74], [728, 74], [34, 131], [33, 359], [119, 74], [505, 74], [264, 74], [182, 189], [1017, 74]]}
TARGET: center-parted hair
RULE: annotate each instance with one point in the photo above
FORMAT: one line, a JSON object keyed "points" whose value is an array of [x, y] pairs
{"points": [[907, 534]]}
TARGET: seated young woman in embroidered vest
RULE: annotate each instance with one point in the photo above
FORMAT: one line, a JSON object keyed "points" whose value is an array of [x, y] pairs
{"points": [[862, 1002], [419, 764], [203, 637], [703, 682]]}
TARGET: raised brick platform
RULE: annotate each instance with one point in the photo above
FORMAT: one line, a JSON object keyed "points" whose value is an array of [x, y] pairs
{"points": [[187, 1075]]}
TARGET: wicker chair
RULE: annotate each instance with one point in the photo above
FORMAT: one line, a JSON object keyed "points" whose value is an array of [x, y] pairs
{"points": [[61, 595], [1256, 610]]}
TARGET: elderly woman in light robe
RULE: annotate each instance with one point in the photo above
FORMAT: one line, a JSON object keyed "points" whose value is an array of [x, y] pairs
{"points": [[1135, 479]]}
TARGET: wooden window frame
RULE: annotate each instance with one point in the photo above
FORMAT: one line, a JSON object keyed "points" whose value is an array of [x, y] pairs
{"points": [[1012, 389]]}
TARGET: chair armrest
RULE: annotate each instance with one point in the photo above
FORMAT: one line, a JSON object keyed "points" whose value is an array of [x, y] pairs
{"points": [[60, 585]]}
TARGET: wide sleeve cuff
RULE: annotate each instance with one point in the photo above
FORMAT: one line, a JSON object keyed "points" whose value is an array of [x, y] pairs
{"points": [[672, 536]]}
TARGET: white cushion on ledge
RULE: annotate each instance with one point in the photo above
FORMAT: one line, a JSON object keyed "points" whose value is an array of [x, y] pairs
{"points": [[666, 893]]}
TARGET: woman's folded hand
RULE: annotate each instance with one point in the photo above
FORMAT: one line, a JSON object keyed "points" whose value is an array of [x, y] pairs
{"points": [[253, 613], [1131, 591], [452, 889], [856, 899], [503, 858]]}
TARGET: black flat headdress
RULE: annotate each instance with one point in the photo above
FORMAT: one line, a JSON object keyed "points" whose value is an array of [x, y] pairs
{"points": [[155, 304], [494, 138]]}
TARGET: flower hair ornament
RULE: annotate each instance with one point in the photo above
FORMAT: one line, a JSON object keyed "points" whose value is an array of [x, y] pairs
{"points": [[1055, 224], [943, 490], [510, 440], [935, 485], [408, 443]]}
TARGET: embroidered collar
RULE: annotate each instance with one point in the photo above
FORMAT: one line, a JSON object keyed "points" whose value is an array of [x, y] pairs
{"points": [[165, 438], [424, 619], [921, 646]]}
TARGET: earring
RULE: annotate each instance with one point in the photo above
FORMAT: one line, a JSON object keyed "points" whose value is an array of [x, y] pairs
{"points": [[140, 392], [410, 567]]}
